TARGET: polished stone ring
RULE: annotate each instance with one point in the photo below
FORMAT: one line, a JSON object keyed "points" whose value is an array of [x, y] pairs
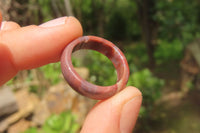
{"points": [[84, 87]]}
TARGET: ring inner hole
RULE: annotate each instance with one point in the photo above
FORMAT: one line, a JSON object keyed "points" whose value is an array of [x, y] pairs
{"points": [[101, 70]]}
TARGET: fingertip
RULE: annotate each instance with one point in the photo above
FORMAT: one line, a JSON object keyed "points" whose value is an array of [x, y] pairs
{"points": [[9, 25], [116, 114], [72, 20], [125, 95], [129, 114], [133, 90]]}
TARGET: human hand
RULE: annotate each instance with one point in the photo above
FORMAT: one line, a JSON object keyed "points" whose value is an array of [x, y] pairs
{"points": [[33, 46]]}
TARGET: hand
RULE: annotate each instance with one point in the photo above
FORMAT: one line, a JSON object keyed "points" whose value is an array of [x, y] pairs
{"points": [[33, 46]]}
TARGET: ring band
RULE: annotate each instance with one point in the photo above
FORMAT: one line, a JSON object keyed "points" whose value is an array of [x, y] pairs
{"points": [[84, 87]]}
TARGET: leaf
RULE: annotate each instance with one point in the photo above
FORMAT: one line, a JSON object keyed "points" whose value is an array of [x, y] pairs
{"points": [[31, 130]]}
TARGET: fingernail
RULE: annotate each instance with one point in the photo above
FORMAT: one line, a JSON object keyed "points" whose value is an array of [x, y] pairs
{"points": [[128, 115], [2, 25], [55, 22]]}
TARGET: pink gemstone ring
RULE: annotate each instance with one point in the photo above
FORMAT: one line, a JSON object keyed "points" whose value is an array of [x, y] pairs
{"points": [[84, 87]]}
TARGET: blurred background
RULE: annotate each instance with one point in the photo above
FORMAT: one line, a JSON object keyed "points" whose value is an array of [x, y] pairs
{"points": [[160, 39]]}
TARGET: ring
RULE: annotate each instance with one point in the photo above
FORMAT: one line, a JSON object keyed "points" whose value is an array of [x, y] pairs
{"points": [[108, 49]]}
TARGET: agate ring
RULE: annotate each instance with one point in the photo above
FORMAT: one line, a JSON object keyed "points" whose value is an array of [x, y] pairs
{"points": [[108, 49]]}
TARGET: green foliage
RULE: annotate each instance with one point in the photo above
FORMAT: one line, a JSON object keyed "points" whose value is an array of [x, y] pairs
{"points": [[10, 82], [65, 122], [148, 84], [169, 51], [136, 55], [52, 72], [31, 130], [62, 123], [116, 28], [190, 85], [102, 71], [121, 24], [85, 6], [76, 62], [178, 19], [143, 112], [33, 89], [45, 9], [109, 15]]}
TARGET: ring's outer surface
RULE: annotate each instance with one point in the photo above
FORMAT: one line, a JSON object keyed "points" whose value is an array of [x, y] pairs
{"points": [[108, 49]]}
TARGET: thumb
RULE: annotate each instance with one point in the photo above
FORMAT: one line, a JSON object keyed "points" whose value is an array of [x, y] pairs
{"points": [[115, 115]]}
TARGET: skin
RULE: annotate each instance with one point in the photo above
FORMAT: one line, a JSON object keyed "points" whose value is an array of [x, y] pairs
{"points": [[33, 46]]}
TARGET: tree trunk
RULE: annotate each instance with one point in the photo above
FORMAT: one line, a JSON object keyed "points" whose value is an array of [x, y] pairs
{"points": [[146, 11], [100, 17], [68, 8], [100, 25]]}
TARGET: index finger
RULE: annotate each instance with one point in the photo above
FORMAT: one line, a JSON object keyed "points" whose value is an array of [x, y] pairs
{"points": [[33, 46]]}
